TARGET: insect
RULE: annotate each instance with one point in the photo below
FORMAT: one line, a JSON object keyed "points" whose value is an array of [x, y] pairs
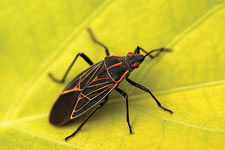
{"points": [[91, 88]]}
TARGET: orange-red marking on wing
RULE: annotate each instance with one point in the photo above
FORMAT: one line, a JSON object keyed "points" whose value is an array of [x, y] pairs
{"points": [[71, 90], [96, 79], [87, 74]]}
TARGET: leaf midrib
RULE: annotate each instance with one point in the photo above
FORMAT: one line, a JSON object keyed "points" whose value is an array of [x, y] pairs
{"points": [[75, 33], [210, 84], [28, 87]]}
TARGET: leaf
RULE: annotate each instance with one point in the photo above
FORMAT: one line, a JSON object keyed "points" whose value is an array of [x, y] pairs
{"points": [[40, 37]]}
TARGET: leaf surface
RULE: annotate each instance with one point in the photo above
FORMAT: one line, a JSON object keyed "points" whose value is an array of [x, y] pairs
{"points": [[40, 37]]}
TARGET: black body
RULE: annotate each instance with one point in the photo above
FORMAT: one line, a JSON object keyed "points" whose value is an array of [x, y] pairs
{"points": [[73, 103], [92, 86]]}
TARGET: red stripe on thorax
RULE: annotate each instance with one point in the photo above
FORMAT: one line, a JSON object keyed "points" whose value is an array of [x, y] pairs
{"points": [[114, 65], [116, 55], [122, 76]]}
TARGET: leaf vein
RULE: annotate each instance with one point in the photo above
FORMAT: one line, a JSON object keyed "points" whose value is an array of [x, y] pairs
{"points": [[50, 139], [16, 106], [137, 106]]}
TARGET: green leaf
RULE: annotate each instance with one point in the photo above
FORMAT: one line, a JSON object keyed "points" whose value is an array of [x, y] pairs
{"points": [[38, 37]]}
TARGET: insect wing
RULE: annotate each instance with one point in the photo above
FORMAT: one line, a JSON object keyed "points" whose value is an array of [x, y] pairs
{"points": [[64, 105], [84, 78], [92, 95]]}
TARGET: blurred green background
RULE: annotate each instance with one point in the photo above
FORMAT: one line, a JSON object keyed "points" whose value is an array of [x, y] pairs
{"points": [[37, 37]]}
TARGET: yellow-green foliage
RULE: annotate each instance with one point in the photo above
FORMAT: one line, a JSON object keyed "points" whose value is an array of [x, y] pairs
{"points": [[37, 37]]}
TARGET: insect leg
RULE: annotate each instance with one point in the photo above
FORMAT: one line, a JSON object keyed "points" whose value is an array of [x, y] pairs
{"points": [[86, 58], [78, 129], [127, 107], [138, 49], [97, 42], [147, 90]]}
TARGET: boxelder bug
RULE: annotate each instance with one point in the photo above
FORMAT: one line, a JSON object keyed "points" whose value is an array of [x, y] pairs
{"points": [[92, 86]]}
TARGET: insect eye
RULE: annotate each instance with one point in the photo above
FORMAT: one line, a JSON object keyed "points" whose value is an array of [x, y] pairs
{"points": [[129, 53], [136, 65]]}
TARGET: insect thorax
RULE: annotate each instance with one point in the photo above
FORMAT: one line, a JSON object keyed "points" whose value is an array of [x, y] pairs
{"points": [[116, 67]]}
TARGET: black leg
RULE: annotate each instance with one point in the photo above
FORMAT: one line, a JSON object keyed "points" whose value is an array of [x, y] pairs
{"points": [[127, 107], [137, 50], [97, 42], [147, 90], [78, 129], [67, 71]]}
